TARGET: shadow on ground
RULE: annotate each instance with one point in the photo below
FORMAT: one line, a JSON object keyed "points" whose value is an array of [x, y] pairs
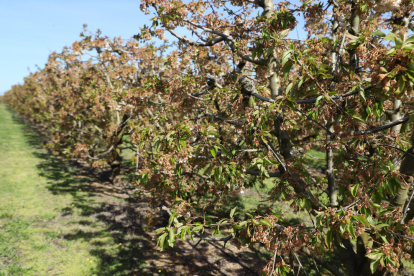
{"points": [[124, 219]]}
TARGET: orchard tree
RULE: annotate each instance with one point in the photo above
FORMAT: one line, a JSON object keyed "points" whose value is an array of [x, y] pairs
{"points": [[349, 82], [86, 97], [236, 100]]}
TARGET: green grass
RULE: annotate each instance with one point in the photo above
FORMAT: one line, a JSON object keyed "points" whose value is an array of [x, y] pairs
{"points": [[47, 221]]}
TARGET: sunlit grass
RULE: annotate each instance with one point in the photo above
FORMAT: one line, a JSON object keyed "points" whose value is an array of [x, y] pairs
{"points": [[40, 230]]}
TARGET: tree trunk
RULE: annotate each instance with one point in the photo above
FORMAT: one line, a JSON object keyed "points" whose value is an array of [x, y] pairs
{"points": [[115, 163], [116, 158], [396, 115]]}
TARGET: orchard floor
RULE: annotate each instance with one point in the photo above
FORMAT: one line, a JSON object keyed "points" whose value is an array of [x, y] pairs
{"points": [[63, 218]]}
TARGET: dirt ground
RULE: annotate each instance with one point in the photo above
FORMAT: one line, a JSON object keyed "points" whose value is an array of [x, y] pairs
{"points": [[186, 258]]}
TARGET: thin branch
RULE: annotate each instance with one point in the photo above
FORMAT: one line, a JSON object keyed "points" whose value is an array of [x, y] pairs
{"points": [[275, 155], [102, 156], [394, 147], [194, 97], [232, 122], [225, 239], [381, 128], [315, 264], [402, 236], [274, 258], [406, 207], [230, 41], [312, 100], [316, 122], [192, 42], [300, 264], [136, 167]]}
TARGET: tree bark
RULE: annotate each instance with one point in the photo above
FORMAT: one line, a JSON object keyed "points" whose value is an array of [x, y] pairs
{"points": [[115, 164], [332, 187], [274, 79], [396, 115], [116, 158]]}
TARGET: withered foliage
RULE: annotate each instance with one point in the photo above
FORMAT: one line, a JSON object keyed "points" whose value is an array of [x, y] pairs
{"points": [[236, 99]]}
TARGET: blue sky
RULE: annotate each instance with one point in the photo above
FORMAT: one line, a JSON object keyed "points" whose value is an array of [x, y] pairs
{"points": [[31, 29]]}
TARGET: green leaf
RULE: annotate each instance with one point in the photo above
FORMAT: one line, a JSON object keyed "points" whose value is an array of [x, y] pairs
{"points": [[410, 74], [368, 110], [398, 41], [171, 237], [362, 220], [390, 37], [376, 110], [289, 88], [213, 151], [390, 51], [270, 50], [391, 261], [265, 222], [384, 238], [301, 81], [401, 86], [351, 230], [224, 150], [170, 221], [373, 266], [286, 70], [362, 93], [379, 226], [378, 33], [232, 212], [161, 241], [364, 7], [291, 106], [159, 230], [354, 190], [285, 57], [375, 255], [183, 143], [183, 234], [284, 33], [339, 240], [357, 118], [252, 103], [197, 229], [318, 99], [328, 239], [409, 41], [189, 233]]}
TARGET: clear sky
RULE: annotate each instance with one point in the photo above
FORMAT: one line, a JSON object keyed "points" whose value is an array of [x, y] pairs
{"points": [[31, 29]]}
